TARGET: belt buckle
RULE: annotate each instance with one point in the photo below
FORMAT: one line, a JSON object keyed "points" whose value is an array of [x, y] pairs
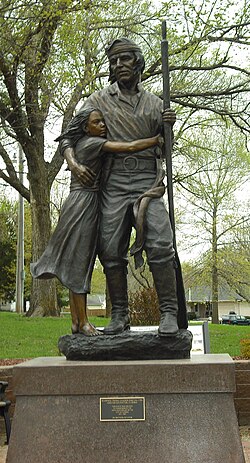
{"points": [[130, 163]]}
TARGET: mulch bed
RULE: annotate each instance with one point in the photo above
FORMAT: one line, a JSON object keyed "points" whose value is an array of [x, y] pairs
{"points": [[9, 362]]}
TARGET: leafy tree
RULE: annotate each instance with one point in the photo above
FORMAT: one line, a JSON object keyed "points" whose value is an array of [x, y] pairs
{"points": [[37, 86], [219, 162], [98, 283], [52, 56], [234, 259], [7, 249]]}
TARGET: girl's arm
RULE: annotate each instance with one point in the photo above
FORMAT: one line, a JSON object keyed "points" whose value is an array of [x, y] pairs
{"points": [[83, 173], [131, 146]]}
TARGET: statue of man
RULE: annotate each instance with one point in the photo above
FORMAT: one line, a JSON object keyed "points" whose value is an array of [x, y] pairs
{"points": [[131, 113]]}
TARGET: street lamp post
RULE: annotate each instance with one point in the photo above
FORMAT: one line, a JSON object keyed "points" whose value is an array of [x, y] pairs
{"points": [[20, 242]]}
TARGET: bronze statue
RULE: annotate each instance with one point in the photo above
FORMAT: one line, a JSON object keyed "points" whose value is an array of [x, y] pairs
{"points": [[130, 113], [71, 251]]}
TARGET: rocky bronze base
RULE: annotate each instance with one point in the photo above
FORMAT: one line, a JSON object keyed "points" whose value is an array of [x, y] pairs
{"points": [[130, 345]]}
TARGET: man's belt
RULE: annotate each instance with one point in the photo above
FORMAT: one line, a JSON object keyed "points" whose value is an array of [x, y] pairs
{"points": [[131, 163]]}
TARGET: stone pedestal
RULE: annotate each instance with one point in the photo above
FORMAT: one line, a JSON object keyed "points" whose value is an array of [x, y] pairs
{"points": [[189, 412]]}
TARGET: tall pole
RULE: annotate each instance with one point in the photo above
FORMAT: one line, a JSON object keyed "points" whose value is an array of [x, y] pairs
{"points": [[182, 312], [167, 130], [20, 241]]}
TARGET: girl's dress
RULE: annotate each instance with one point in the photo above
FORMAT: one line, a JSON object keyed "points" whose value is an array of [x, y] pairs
{"points": [[71, 251]]}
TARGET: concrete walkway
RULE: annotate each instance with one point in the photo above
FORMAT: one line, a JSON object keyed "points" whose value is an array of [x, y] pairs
{"points": [[246, 448], [3, 453], [245, 437], [244, 430]]}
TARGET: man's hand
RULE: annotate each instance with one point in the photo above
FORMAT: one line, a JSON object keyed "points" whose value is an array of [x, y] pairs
{"points": [[169, 116], [160, 140]]}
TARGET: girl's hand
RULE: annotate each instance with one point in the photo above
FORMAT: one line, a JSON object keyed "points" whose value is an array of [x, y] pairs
{"points": [[83, 174]]}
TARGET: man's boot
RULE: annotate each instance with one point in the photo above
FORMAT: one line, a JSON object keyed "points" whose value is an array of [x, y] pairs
{"points": [[118, 292], [165, 285]]}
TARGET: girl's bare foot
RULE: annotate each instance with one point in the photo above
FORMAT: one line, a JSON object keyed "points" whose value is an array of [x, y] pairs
{"points": [[74, 328], [89, 330]]}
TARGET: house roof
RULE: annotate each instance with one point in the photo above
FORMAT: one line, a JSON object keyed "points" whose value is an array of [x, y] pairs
{"points": [[204, 293]]}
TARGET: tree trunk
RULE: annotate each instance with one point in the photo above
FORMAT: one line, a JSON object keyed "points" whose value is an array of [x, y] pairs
{"points": [[43, 299], [43, 292]]}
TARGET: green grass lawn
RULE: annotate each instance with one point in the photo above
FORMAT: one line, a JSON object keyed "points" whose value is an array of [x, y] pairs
{"points": [[22, 337], [226, 338]]}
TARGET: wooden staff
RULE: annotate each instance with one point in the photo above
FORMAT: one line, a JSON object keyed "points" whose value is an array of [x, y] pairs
{"points": [[167, 131]]}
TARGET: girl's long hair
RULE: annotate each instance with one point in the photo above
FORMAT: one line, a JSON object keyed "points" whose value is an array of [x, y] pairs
{"points": [[76, 128]]}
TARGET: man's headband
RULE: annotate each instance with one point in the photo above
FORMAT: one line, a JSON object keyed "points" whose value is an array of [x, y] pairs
{"points": [[120, 47]]}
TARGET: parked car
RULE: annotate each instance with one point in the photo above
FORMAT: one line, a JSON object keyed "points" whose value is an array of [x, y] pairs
{"points": [[234, 320]]}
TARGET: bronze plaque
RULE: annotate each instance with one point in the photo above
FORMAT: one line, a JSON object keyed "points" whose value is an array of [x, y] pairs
{"points": [[122, 409]]}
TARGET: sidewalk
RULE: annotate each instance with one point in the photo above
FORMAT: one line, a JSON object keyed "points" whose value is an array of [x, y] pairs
{"points": [[245, 437], [246, 448], [244, 431], [3, 453]]}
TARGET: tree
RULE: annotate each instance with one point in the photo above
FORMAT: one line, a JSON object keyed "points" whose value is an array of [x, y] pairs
{"points": [[235, 259], [52, 56], [8, 247], [98, 284], [221, 161], [8, 213], [33, 87]]}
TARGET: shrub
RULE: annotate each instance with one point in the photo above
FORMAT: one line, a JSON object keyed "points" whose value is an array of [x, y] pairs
{"points": [[245, 348], [144, 307]]}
